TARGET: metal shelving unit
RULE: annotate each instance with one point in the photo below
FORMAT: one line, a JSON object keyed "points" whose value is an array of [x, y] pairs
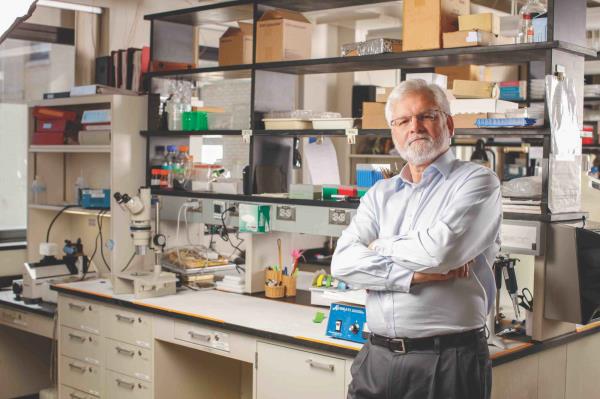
{"points": [[565, 48]]}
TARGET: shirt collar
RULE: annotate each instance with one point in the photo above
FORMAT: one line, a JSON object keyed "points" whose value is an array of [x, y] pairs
{"points": [[443, 164]]}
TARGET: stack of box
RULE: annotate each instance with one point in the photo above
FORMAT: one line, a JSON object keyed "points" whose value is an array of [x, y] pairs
{"points": [[587, 135], [515, 90], [95, 127], [369, 174], [51, 126], [476, 30]]}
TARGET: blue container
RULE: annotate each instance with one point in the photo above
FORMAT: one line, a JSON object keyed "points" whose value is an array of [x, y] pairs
{"points": [[95, 198]]}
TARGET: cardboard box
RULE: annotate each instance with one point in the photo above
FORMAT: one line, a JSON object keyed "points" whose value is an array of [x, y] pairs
{"points": [[282, 35], [382, 94], [467, 121], [465, 72], [431, 78], [500, 73], [469, 38], [474, 106], [235, 46], [486, 22], [374, 116], [424, 21], [474, 89]]}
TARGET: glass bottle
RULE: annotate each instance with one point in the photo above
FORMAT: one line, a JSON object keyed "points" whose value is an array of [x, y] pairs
{"points": [[159, 157], [532, 22], [38, 191], [168, 164], [183, 167]]}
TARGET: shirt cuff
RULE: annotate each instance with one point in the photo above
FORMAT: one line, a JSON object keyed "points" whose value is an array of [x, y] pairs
{"points": [[399, 279]]}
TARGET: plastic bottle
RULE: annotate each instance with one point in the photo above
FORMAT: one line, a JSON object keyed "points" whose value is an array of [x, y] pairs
{"points": [[79, 185], [38, 191], [182, 167], [168, 163], [532, 16]]}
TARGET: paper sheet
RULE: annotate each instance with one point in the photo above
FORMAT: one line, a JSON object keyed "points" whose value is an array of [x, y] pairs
{"points": [[321, 160]]}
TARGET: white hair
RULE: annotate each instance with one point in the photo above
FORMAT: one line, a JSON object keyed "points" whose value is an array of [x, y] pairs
{"points": [[416, 86]]}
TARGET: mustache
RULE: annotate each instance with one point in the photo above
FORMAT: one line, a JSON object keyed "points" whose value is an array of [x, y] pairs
{"points": [[419, 137]]}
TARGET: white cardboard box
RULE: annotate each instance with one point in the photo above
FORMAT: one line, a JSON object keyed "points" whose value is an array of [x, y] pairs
{"points": [[475, 106]]}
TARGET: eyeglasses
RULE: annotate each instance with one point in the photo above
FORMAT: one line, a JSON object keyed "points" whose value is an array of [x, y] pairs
{"points": [[424, 117]]}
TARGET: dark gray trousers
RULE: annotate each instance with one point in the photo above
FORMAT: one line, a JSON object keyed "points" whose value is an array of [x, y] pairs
{"points": [[463, 372]]}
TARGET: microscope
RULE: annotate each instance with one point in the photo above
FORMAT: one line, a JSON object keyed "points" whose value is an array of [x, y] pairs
{"points": [[143, 283]]}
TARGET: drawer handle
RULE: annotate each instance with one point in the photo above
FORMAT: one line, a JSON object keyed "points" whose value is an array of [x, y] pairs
{"points": [[203, 337], [73, 395], [76, 337], [76, 367], [123, 351], [322, 366], [125, 319], [76, 307], [125, 384]]}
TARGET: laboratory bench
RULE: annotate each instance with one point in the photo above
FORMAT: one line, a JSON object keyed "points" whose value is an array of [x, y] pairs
{"points": [[116, 346], [244, 346]]}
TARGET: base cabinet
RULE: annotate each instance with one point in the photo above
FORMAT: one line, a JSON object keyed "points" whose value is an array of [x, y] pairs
{"points": [[283, 372]]}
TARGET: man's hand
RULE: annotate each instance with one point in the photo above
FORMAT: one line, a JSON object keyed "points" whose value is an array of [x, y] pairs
{"points": [[461, 272]]}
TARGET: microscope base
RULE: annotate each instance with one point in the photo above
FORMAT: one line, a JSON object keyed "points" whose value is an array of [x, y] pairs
{"points": [[145, 284]]}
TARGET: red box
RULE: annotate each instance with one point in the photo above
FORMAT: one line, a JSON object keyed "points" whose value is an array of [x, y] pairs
{"points": [[349, 191], [51, 125], [48, 138]]}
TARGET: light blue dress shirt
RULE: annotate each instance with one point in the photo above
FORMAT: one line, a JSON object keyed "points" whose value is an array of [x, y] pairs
{"points": [[453, 215]]}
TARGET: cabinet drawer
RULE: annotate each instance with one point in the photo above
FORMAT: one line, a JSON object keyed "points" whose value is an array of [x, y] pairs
{"points": [[82, 315], [325, 374], [129, 359], [131, 327], [71, 393], [119, 386], [81, 345], [202, 336], [80, 375]]}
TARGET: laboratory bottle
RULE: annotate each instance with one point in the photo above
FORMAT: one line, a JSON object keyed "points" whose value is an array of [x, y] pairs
{"points": [[168, 163], [79, 185], [38, 191], [532, 22], [156, 162], [183, 167]]}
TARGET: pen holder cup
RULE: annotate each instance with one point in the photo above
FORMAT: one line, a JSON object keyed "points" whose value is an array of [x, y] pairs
{"points": [[271, 274], [277, 291], [289, 283]]}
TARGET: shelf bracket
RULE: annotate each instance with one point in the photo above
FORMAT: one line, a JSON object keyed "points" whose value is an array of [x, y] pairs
{"points": [[246, 136], [351, 135]]}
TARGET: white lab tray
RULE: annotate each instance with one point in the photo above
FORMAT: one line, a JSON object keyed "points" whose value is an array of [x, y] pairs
{"points": [[286, 123], [333, 123]]}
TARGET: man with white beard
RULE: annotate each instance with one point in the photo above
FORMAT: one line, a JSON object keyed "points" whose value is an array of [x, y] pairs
{"points": [[423, 243]]}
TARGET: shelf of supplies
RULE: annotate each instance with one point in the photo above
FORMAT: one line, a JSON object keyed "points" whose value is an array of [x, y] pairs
{"points": [[182, 133], [525, 132], [70, 148], [216, 13], [71, 211], [226, 72], [255, 198], [502, 54], [74, 101], [475, 132]]}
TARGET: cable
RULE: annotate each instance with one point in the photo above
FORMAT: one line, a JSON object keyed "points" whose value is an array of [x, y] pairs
{"points": [[98, 216], [102, 243], [54, 220], [128, 262], [225, 236]]}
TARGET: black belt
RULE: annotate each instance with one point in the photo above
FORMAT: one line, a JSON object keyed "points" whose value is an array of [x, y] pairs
{"points": [[403, 345]]}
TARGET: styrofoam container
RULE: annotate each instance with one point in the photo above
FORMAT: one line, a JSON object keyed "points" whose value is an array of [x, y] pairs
{"points": [[286, 123], [333, 123]]}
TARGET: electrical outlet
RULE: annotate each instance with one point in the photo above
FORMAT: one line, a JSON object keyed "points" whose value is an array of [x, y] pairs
{"points": [[285, 212], [218, 209], [339, 217], [196, 207], [235, 212]]}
